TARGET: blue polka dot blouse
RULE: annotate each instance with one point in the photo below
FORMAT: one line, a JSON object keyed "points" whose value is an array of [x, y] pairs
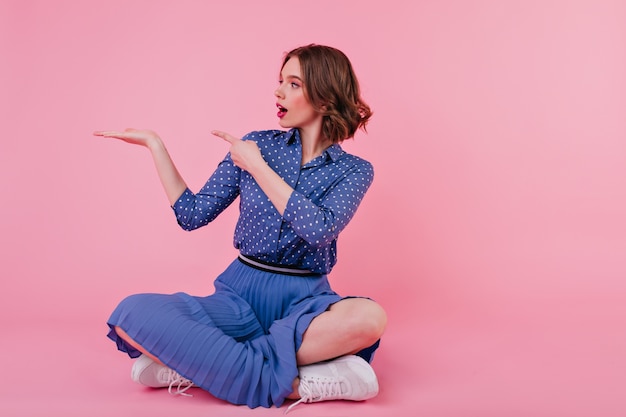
{"points": [[327, 192]]}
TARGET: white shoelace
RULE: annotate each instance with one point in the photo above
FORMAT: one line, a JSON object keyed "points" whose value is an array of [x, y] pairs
{"points": [[316, 390], [178, 382]]}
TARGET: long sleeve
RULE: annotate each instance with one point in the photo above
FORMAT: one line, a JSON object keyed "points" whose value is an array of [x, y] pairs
{"points": [[222, 188], [319, 223], [327, 193]]}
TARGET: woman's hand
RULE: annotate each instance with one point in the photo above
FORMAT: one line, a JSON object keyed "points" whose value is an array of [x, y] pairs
{"points": [[145, 138], [172, 181], [245, 154]]}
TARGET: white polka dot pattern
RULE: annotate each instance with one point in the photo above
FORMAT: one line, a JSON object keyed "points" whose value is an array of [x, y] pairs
{"points": [[327, 192]]}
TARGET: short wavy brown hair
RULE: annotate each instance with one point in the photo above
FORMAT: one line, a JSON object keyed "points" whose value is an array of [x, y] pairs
{"points": [[332, 88]]}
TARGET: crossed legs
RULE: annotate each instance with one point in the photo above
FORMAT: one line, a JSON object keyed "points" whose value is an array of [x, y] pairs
{"points": [[347, 327]]}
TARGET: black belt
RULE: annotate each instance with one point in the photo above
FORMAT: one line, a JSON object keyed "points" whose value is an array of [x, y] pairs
{"points": [[268, 267]]}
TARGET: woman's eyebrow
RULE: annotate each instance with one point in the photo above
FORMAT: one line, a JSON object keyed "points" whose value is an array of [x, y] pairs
{"points": [[292, 76]]}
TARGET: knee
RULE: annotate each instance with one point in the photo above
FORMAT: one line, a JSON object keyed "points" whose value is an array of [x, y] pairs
{"points": [[377, 319], [368, 320]]}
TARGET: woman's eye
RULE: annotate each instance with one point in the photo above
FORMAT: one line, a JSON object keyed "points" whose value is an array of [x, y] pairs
{"points": [[295, 85]]}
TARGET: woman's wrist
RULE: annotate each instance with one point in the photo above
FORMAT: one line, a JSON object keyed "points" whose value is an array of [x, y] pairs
{"points": [[154, 143]]}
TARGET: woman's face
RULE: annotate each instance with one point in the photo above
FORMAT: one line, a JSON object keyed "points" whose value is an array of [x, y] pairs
{"points": [[294, 110]]}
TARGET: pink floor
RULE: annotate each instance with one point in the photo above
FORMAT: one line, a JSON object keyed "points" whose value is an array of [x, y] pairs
{"points": [[457, 365]]}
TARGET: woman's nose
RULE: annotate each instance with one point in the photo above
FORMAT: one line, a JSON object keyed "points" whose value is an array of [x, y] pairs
{"points": [[278, 93]]}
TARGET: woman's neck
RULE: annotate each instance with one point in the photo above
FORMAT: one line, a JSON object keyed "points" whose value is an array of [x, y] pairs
{"points": [[313, 144]]}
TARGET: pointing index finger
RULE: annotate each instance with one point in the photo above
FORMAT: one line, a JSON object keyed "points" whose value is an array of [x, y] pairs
{"points": [[105, 133], [226, 136]]}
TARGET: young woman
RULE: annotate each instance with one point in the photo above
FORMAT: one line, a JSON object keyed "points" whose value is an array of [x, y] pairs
{"points": [[274, 328]]}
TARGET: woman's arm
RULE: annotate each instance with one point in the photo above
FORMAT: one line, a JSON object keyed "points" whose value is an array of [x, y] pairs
{"points": [[247, 156], [320, 222], [172, 181]]}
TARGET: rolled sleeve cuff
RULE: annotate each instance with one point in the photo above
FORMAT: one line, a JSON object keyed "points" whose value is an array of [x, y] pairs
{"points": [[185, 199], [292, 207]]}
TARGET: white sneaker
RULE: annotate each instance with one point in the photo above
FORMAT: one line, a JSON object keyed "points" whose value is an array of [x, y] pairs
{"points": [[345, 378], [147, 372]]}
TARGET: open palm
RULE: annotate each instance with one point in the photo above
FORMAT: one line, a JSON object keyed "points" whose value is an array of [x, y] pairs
{"points": [[134, 136]]}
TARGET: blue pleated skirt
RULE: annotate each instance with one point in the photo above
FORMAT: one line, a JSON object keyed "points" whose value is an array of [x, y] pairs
{"points": [[239, 343]]}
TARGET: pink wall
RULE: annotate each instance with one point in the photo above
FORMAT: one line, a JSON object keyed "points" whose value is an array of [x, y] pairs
{"points": [[498, 140]]}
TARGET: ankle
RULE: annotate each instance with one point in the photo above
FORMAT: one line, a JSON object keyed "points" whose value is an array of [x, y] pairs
{"points": [[295, 394]]}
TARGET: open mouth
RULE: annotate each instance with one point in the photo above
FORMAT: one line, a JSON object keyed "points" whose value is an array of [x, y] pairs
{"points": [[281, 110]]}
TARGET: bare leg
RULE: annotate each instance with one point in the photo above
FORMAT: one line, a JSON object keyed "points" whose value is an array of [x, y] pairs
{"points": [[349, 326], [121, 333]]}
